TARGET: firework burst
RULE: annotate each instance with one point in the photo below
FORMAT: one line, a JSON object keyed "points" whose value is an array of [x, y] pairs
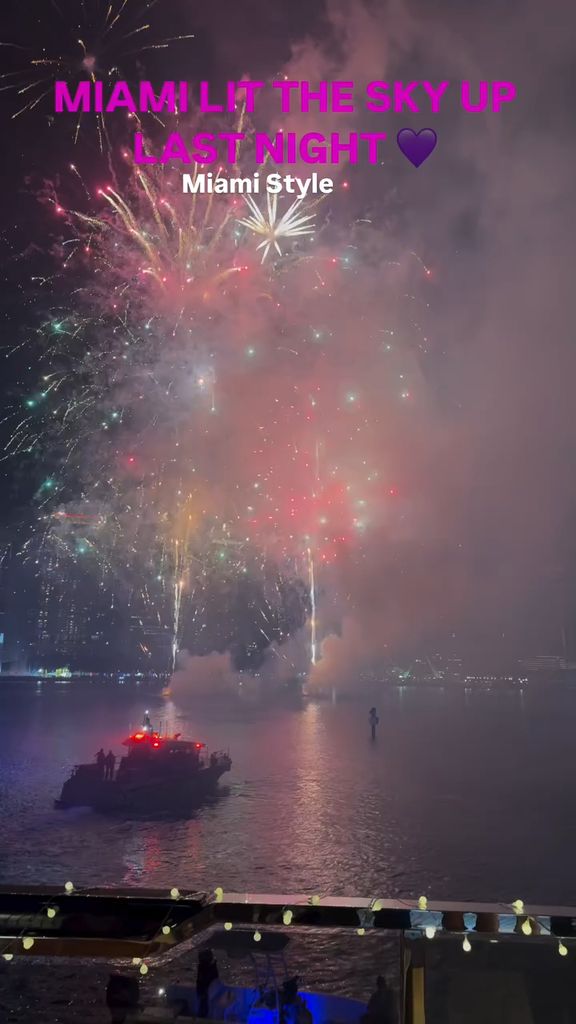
{"points": [[198, 412], [85, 39], [272, 227]]}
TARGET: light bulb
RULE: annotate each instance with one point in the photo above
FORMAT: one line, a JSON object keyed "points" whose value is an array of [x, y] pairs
{"points": [[562, 949], [166, 929], [287, 917], [69, 887], [143, 969], [257, 936], [518, 906], [28, 942], [430, 931], [527, 927], [360, 931], [422, 903], [466, 945], [228, 926], [174, 893]]}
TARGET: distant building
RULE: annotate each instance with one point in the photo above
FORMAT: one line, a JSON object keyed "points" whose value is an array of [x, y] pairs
{"points": [[545, 663], [60, 624], [490, 679], [78, 621]]}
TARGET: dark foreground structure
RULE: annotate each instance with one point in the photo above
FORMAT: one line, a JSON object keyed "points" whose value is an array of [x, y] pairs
{"points": [[62, 950]]}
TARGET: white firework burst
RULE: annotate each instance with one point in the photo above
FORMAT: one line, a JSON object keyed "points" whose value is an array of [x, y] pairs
{"points": [[271, 228]]}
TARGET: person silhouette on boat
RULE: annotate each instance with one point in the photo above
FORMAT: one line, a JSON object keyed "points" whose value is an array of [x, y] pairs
{"points": [[110, 765], [101, 762], [147, 722], [207, 973], [373, 721]]}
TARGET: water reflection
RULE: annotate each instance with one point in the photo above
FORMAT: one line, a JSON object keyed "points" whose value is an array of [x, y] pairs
{"points": [[464, 795]]}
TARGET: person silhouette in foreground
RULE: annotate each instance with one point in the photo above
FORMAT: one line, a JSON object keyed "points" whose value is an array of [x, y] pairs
{"points": [[381, 1005], [122, 997], [101, 762], [373, 721], [207, 973]]}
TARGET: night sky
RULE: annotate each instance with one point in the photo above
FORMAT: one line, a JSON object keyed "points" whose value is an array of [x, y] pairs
{"points": [[480, 545]]}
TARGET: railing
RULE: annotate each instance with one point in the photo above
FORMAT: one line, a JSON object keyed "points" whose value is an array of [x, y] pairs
{"points": [[146, 911]]}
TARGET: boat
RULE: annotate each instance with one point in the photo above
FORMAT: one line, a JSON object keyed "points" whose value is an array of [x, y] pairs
{"points": [[275, 995], [257, 689], [159, 773], [289, 694]]}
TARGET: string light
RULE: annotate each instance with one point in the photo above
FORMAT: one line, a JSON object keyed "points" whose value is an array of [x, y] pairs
{"points": [[287, 917]]}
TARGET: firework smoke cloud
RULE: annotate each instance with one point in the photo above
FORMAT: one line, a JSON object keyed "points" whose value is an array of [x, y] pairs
{"points": [[292, 406]]}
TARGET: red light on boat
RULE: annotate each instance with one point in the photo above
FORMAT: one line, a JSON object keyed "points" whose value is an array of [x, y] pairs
{"points": [[138, 736], [198, 746], [156, 743]]}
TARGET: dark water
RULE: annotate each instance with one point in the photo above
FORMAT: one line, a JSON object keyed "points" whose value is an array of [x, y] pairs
{"points": [[467, 797]]}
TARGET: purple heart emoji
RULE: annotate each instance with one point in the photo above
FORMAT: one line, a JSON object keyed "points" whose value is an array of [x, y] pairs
{"points": [[417, 146]]}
